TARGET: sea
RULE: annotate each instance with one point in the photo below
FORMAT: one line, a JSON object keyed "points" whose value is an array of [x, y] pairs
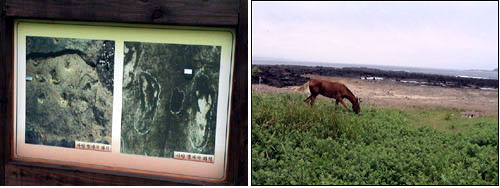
{"points": [[479, 74]]}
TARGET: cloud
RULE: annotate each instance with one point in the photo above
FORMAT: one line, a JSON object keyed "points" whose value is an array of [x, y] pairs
{"points": [[422, 36]]}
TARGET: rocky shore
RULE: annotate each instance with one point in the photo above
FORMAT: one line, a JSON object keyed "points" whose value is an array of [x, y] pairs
{"points": [[291, 75]]}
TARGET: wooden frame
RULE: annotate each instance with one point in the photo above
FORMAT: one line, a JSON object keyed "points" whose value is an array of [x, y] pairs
{"points": [[222, 13]]}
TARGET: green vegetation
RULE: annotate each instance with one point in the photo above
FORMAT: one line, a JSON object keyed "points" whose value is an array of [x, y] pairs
{"points": [[445, 119], [295, 144], [255, 70]]}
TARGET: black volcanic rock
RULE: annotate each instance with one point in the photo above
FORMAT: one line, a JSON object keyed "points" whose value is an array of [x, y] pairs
{"points": [[69, 94], [290, 75], [164, 109], [275, 76]]}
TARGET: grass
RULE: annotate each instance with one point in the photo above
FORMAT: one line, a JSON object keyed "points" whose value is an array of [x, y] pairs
{"points": [[255, 70], [447, 119], [295, 144]]}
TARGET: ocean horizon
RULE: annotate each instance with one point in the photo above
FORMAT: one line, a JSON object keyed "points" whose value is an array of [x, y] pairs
{"points": [[479, 74]]}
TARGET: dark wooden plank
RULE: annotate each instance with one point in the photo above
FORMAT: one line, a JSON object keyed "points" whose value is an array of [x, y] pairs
{"points": [[6, 114], [176, 12], [242, 55], [3, 107], [238, 144], [87, 175], [33, 175]]}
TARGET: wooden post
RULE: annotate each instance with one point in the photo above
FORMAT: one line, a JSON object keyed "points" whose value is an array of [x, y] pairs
{"points": [[238, 146]]}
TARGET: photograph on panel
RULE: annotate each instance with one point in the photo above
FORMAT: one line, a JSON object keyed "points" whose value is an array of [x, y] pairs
{"points": [[69, 91], [170, 96]]}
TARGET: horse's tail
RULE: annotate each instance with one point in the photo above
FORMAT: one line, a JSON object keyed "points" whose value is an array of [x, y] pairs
{"points": [[303, 87]]}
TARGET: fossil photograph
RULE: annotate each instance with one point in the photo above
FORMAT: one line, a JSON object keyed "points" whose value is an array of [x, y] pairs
{"points": [[69, 91], [169, 98]]}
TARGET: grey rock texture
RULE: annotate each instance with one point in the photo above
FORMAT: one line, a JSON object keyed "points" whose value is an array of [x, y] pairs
{"points": [[71, 95], [165, 110]]}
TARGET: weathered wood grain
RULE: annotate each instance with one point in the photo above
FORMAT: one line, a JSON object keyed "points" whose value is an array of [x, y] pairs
{"points": [[238, 144], [6, 88], [32, 175], [242, 55], [3, 96], [176, 12]]}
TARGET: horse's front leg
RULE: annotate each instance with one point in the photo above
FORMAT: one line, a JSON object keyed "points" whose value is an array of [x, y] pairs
{"points": [[343, 103], [336, 104], [313, 97]]}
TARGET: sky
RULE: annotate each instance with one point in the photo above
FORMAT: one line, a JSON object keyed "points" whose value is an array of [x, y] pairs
{"points": [[450, 35]]}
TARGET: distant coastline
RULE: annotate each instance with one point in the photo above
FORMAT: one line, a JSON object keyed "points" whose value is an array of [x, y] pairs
{"points": [[486, 74], [481, 70]]}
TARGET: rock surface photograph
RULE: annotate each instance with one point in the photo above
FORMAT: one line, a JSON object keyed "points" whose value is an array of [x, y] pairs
{"points": [[69, 91], [169, 98]]}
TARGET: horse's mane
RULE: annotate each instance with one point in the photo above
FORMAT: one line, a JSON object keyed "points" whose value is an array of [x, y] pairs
{"points": [[349, 90]]}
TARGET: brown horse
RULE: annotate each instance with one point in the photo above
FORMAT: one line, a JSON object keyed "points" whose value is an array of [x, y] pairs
{"points": [[335, 90]]}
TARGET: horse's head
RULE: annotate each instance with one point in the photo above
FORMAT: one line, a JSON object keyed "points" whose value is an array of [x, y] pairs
{"points": [[355, 106]]}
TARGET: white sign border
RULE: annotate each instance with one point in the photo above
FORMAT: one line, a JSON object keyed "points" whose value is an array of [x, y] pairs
{"points": [[119, 33]]}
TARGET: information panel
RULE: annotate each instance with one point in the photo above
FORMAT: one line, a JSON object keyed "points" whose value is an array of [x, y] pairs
{"points": [[151, 99]]}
